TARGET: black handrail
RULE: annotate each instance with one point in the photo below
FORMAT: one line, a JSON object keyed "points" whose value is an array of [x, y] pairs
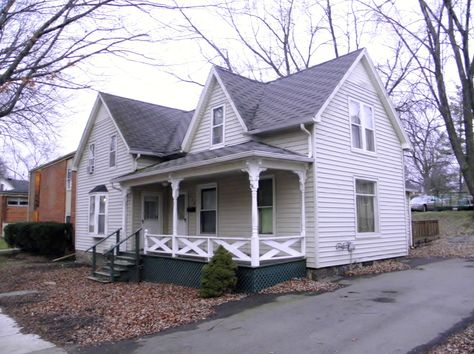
{"points": [[94, 248], [136, 234]]}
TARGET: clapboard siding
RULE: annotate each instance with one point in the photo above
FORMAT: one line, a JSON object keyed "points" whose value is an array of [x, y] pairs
{"points": [[337, 167], [102, 129], [295, 141], [233, 132]]}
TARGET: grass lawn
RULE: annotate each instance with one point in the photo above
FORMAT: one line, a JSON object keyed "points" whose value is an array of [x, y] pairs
{"points": [[451, 223], [3, 244]]}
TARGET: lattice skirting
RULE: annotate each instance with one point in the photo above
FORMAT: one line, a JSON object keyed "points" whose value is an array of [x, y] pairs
{"points": [[250, 280]]}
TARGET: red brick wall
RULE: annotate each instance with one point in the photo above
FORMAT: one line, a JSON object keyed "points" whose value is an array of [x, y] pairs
{"points": [[73, 198], [52, 193]]}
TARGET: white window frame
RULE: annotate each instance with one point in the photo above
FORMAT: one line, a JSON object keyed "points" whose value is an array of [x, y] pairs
{"points": [[376, 231], [199, 188], [113, 150], [362, 126], [273, 204], [15, 202], [68, 179], [96, 197], [91, 158], [222, 143]]}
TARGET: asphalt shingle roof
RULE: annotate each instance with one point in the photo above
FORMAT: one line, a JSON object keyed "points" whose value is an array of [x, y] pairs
{"points": [[18, 186], [289, 100], [207, 155], [148, 127]]}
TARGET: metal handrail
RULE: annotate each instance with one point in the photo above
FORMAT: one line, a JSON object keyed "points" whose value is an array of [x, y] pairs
{"points": [[122, 241], [136, 234], [94, 248]]}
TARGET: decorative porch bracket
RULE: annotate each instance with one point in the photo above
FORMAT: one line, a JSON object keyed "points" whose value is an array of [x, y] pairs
{"points": [[175, 194], [254, 168], [302, 180]]}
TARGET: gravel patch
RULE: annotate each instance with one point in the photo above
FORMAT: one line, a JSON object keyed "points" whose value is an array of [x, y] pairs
{"points": [[301, 285]]}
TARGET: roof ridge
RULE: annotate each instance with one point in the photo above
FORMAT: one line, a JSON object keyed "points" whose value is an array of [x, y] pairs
{"points": [[240, 76], [144, 102]]}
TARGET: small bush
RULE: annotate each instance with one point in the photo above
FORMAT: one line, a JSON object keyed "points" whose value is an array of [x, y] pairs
{"points": [[218, 276], [47, 238]]}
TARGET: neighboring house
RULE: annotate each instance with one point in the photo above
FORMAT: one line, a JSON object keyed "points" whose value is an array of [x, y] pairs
{"points": [[13, 201], [52, 191], [301, 172]]}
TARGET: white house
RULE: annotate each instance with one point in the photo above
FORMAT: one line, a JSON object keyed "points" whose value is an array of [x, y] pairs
{"points": [[302, 172]]}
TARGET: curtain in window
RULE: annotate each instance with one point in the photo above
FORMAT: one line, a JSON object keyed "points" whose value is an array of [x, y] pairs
{"points": [[101, 216], [365, 191], [91, 213], [354, 112], [208, 211]]}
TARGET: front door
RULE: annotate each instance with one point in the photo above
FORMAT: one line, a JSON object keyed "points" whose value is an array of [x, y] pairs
{"points": [[151, 214], [182, 215]]}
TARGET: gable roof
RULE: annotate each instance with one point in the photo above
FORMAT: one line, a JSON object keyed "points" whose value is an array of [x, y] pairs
{"points": [[17, 186], [52, 162], [146, 128], [292, 100]]}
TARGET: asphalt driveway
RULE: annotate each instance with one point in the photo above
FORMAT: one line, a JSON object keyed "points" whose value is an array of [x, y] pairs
{"points": [[391, 313]]}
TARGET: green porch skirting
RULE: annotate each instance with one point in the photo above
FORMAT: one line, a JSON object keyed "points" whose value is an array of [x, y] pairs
{"points": [[187, 272]]}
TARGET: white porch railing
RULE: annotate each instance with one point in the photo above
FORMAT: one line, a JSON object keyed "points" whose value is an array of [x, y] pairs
{"points": [[271, 247]]}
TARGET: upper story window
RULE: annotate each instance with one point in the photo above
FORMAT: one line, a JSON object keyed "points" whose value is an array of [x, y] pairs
{"points": [[68, 179], [90, 166], [217, 128], [362, 125], [113, 151], [366, 194]]}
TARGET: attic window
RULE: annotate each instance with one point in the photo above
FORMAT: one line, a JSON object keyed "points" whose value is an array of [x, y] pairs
{"points": [[362, 126], [217, 128]]}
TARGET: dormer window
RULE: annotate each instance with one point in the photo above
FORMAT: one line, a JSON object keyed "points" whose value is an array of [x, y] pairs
{"points": [[217, 128]]}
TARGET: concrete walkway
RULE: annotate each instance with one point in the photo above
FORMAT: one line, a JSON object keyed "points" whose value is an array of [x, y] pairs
{"points": [[390, 313], [14, 342]]}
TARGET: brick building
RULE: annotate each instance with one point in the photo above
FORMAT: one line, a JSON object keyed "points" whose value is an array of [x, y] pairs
{"points": [[13, 201], [52, 191]]}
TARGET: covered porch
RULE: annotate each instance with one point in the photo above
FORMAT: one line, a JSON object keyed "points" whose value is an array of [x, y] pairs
{"points": [[254, 206]]}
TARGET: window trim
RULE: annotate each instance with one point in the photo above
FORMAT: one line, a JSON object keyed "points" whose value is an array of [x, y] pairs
{"points": [[362, 150], [68, 178], [114, 151], [91, 165], [17, 200], [199, 188], [96, 214], [376, 233], [272, 177], [222, 143]]}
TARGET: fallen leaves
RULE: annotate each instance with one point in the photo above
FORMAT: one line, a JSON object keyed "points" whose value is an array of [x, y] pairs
{"points": [[377, 267], [461, 246], [301, 285], [460, 343]]}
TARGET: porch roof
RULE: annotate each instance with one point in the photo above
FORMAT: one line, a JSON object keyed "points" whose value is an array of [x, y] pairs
{"points": [[227, 153]]}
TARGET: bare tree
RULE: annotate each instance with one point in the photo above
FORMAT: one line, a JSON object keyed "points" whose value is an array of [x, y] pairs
{"points": [[439, 37]]}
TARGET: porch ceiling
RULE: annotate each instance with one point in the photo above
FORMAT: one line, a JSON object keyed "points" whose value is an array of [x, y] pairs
{"points": [[229, 158]]}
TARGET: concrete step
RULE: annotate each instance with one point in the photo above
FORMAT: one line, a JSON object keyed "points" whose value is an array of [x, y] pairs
{"points": [[125, 258], [99, 279], [106, 274], [123, 263], [117, 268]]}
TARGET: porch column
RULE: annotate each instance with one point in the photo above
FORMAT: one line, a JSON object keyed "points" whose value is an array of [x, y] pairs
{"points": [[302, 180], [125, 193], [254, 169], [175, 194]]}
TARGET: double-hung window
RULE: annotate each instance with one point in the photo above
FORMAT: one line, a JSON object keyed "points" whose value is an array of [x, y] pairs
{"points": [[208, 210], [113, 151], [366, 194], [265, 206], [217, 128], [97, 214], [91, 163], [362, 125]]}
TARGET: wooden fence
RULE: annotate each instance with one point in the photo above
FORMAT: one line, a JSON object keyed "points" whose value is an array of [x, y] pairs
{"points": [[424, 231]]}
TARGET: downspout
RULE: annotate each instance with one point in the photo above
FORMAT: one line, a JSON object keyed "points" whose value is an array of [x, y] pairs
{"points": [[310, 140]]}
